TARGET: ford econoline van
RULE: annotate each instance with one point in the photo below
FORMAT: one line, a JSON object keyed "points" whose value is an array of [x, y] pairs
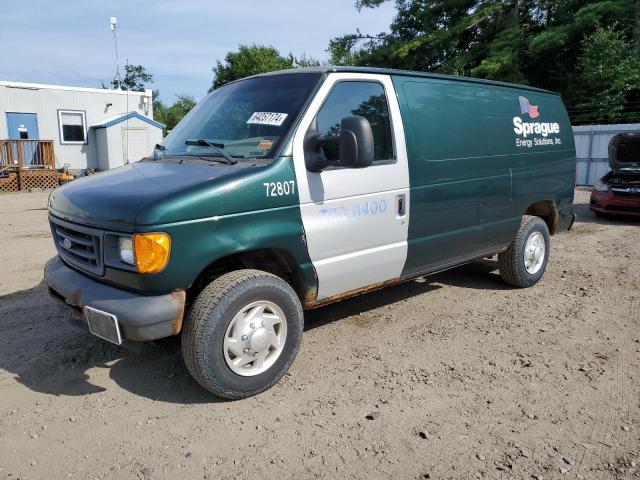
{"points": [[287, 191]]}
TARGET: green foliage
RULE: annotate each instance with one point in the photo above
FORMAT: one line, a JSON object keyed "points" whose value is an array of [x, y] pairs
{"points": [[543, 43], [608, 74], [170, 115], [305, 62], [502, 54], [248, 60], [360, 4], [135, 79], [253, 60]]}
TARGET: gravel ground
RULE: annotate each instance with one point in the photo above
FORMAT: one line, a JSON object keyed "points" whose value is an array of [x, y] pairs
{"points": [[452, 376]]}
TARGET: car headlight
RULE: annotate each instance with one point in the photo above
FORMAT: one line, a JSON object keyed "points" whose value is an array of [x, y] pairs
{"points": [[600, 186], [125, 249], [151, 251]]}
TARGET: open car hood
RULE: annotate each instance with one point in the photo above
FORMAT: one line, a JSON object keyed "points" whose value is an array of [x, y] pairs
{"points": [[624, 152]]}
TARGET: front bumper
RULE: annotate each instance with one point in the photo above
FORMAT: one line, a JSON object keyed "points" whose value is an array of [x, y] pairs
{"points": [[140, 317], [606, 202]]}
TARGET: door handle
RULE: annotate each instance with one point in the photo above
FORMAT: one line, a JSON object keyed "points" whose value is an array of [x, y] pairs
{"points": [[402, 205]]}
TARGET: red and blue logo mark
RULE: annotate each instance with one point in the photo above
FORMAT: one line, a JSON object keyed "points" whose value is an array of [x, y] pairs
{"points": [[526, 107]]}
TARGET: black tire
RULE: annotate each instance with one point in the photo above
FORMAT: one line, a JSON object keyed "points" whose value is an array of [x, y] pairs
{"points": [[512, 263], [211, 314]]}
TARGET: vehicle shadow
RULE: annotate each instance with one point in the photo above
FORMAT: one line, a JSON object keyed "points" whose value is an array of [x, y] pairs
{"points": [[47, 354], [480, 275]]}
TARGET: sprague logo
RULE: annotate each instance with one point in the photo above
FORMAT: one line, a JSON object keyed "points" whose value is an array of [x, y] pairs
{"points": [[524, 128], [526, 107]]}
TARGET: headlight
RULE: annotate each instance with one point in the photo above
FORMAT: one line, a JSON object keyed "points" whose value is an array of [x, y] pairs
{"points": [[600, 186], [125, 249], [151, 251]]}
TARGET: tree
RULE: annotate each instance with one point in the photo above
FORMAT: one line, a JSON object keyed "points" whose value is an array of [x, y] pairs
{"points": [[172, 114], [248, 60], [608, 75], [537, 42], [252, 60], [135, 78]]}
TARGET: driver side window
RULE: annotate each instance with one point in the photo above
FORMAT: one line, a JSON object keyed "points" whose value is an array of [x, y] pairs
{"points": [[366, 99]]}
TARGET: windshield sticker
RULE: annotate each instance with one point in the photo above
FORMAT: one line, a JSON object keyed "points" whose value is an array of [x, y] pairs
{"points": [[267, 118], [265, 145]]}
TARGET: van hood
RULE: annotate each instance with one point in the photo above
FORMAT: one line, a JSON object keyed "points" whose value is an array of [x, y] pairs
{"points": [[624, 153], [112, 199]]}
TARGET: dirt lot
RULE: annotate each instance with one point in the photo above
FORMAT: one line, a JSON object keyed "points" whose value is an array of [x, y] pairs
{"points": [[460, 376]]}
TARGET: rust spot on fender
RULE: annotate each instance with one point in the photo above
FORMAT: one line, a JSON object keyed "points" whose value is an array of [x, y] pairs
{"points": [[180, 297], [76, 299], [310, 297], [351, 293]]}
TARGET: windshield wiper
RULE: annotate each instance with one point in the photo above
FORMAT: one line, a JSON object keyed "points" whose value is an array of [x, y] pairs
{"points": [[218, 147]]}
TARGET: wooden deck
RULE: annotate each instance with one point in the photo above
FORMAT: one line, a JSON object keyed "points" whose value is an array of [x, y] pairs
{"points": [[27, 164]]}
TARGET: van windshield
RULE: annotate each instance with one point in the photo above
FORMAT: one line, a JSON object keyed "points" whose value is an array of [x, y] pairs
{"points": [[245, 119]]}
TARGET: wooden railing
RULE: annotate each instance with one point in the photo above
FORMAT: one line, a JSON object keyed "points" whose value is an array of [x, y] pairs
{"points": [[22, 154], [27, 164]]}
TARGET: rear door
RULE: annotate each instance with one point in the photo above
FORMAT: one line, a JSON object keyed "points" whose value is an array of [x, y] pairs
{"points": [[355, 220]]}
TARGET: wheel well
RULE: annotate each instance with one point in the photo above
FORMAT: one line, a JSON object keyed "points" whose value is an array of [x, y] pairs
{"points": [[546, 210], [275, 261]]}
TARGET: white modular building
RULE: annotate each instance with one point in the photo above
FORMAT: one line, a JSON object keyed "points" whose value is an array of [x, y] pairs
{"points": [[89, 128]]}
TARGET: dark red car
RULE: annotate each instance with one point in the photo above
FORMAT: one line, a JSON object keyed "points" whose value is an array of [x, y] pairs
{"points": [[618, 192]]}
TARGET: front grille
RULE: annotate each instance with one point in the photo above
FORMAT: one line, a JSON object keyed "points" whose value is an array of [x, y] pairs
{"points": [[626, 191], [78, 245]]}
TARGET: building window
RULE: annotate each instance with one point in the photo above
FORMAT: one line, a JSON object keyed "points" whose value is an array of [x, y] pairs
{"points": [[73, 126]]}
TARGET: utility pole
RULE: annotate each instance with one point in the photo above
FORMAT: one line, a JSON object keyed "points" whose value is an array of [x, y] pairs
{"points": [[113, 23]]}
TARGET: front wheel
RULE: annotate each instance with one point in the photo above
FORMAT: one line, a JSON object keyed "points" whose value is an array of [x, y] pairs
{"points": [[242, 333], [524, 262]]}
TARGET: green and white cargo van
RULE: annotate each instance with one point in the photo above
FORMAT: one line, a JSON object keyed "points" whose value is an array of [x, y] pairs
{"points": [[287, 191]]}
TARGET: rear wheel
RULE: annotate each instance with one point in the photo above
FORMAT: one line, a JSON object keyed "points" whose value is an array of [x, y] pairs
{"points": [[525, 261], [242, 333]]}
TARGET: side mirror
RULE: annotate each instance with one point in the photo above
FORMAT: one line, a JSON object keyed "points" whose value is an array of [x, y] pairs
{"points": [[356, 142], [313, 157], [355, 145]]}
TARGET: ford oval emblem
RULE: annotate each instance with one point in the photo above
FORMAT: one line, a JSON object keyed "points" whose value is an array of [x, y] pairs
{"points": [[66, 243]]}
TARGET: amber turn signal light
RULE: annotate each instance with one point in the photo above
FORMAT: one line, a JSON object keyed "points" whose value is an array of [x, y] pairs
{"points": [[152, 251]]}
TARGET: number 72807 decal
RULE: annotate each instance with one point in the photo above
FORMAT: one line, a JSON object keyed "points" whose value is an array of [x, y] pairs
{"points": [[278, 189]]}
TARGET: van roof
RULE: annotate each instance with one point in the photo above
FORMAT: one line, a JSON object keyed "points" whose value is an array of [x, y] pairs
{"points": [[408, 73]]}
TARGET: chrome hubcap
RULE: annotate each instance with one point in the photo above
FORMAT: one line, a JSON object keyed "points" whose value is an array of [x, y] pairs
{"points": [[255, 338], [534, 252]]}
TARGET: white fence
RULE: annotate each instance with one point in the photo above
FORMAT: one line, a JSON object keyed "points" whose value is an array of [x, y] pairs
{"points": [[592, 149]]}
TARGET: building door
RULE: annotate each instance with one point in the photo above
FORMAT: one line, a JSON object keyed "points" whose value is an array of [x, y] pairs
{"points": [[135, 144], [24, 126]]}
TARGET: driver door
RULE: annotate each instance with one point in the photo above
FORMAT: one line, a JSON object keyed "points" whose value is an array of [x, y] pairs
{"points": [[355, 219]]}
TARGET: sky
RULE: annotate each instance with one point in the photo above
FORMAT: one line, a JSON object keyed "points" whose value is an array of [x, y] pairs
{"points": [[68, 42]]}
